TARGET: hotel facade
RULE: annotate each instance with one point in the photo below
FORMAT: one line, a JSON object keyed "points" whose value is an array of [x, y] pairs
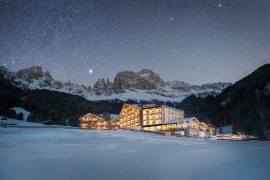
{"points": [[155, 118], [131, 116], [150, 117]]}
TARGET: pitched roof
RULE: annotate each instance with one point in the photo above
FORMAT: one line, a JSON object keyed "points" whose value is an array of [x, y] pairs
{"points": [[163, 106], [93, 115]]}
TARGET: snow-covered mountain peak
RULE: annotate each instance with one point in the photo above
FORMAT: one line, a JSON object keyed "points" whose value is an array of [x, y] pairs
{"points": [[142, 85], [33, 73], [5, 71]]}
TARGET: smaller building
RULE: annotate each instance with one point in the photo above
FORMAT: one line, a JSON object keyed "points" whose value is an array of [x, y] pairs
{"points": [[114, 124], [130, 116], [154, 117], [211, 129], [190, 127], [91, 121]]}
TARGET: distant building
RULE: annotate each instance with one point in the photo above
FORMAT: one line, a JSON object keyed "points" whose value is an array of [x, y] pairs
{"points": [[211, 129], [155, 116], [151, 117], [91, 121], [114, 124]]}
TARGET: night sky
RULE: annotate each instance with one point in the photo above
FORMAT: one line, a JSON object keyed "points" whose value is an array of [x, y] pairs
{"points": [[194, 41]]}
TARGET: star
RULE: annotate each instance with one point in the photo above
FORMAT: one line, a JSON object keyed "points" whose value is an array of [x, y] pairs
{"points": [[102, 40]]}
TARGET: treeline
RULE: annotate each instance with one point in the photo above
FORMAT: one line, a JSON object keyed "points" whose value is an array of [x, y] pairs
{"points": [[9, 113]]}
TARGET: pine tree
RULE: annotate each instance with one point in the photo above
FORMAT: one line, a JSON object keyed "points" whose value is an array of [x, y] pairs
{"points": [[20, 116]]}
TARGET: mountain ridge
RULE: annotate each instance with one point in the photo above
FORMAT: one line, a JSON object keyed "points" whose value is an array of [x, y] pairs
{"points": [[245, 104], [142, 85]]}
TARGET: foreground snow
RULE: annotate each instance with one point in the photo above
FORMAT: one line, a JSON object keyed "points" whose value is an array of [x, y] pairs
{"points": [[84, 154], [19, 122]]}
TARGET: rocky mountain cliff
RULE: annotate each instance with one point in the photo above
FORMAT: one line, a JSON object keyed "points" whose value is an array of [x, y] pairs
{"points": [[34, 78], [142, 85]]}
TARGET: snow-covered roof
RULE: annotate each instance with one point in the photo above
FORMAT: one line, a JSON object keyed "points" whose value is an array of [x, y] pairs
{"points": [[114, 116], [172, 108], [88, 114], [19, 110], [154, 106], [136, 105]]}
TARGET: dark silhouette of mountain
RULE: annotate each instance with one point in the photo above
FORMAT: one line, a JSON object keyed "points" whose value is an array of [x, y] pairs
{"points": [[63, 108], [7, 94], [245, 105]]}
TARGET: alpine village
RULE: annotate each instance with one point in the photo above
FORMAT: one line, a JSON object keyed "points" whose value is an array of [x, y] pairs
{"points": [[207, 114], [152, 118]]}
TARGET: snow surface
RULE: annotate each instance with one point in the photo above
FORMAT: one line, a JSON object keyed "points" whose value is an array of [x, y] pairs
{"points": [[20, 123], [19, 110], [149, 95], [84, 154]]}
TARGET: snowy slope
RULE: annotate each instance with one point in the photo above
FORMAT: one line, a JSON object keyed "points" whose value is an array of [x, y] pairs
{"points": [[149, 95]]}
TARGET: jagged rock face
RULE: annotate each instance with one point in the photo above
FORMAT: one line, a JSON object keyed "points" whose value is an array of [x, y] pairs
{"points": [[35, 78], [102, 86], [142, 85], [145, 80], [4, 70], [181, 86], [32, 73], [147, 85]]}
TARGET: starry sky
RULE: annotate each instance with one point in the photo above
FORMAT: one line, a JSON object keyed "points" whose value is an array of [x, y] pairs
{"points": [[80, 41]]}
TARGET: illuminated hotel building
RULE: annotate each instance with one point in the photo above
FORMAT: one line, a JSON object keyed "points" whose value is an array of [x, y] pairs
{"points": [[156, 116], [130, 116]]}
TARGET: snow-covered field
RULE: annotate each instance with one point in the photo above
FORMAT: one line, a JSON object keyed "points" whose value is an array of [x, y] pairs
{"points": [[20, 122], [37, 154]]}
